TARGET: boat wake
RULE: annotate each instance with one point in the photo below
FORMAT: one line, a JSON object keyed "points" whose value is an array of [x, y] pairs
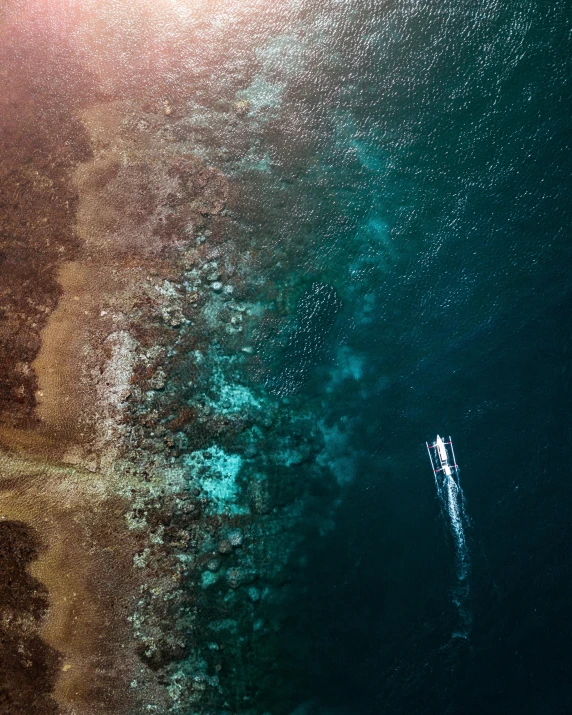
{"points": [[452, 500]]}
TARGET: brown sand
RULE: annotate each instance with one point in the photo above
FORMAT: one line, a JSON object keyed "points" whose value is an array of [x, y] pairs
{"points": [[59, 364], [86, 556], [64, 483], [85, 564]]}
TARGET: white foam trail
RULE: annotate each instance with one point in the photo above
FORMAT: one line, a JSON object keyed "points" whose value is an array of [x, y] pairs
{"points": [[452, 502]]}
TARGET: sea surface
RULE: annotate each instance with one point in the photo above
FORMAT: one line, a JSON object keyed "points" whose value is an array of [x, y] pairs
{"points": [[433, 217], [396, 176]]}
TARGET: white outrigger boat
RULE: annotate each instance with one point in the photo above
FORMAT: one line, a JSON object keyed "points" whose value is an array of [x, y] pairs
{"points": [[442, 457]]}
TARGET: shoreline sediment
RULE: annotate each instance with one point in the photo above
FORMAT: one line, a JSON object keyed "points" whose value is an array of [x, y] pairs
{"points": [[163, 482]]}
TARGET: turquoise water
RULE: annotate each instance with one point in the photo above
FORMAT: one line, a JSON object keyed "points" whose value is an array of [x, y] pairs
{"points": [[413, 187]]}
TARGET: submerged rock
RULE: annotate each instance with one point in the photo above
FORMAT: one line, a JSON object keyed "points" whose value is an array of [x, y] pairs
{"points": [[235, 537], [213, 565], [253, 594], [208, 578], [238, 576], [158, 380], [225, 547]]}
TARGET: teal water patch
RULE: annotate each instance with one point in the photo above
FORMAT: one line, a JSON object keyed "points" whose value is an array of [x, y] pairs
{"points": [[347, 365], [451, 163], [338, 454], [217, 473], [227, 394], [316, 315], [384, 207]]}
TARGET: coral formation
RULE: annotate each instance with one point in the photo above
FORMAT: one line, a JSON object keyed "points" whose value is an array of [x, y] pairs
{"points": [[153, 457]]}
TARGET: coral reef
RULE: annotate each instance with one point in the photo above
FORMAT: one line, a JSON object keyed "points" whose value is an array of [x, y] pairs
{"points": [[155, 455]]}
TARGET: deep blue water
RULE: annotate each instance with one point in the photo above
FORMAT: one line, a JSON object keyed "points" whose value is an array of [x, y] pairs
{"points": [[436, 204]]}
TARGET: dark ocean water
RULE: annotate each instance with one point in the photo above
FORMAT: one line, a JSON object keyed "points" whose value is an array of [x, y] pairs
{"points": [[436, 205]]}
